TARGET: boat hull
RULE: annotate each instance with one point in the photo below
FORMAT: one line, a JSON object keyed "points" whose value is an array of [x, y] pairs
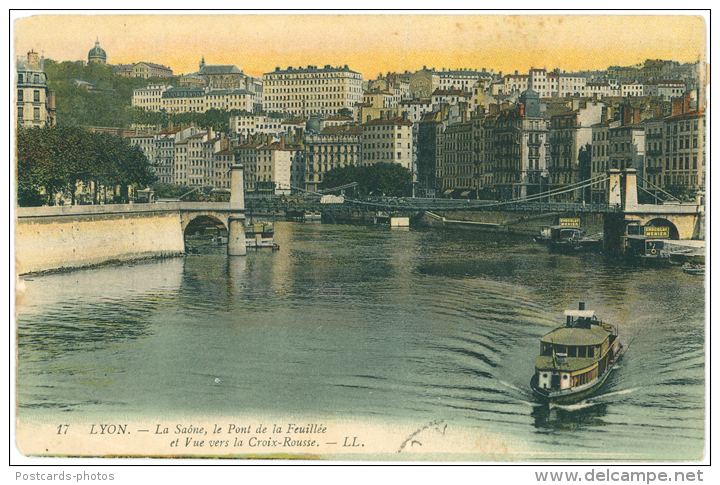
{"points": [[569, 396]]}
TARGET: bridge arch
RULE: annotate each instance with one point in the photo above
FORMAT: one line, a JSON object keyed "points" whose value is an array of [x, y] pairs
{"points": [[190, 219], [201, 222], [662, 222]]}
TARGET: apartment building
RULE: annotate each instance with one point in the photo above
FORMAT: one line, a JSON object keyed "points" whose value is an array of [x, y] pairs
{"points": [[571, 85], [684, 148], [600, 157], [654, 153], [150, 97], [633, 89], [515, 83], [457, 164], [450, 96], [512, 149], [334, 147], [389, 141], [430, 150], [544, 83], [184, 100], [599, 90], [312, 90], [569, 133], [146, 70], [229, 100], [34, 102], [247, 126], [460, 79], [415, 109], [271, 168], [664, 89]]}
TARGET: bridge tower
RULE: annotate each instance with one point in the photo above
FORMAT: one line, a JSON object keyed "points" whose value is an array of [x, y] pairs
{"points": [[622, 193], [236, 221]]}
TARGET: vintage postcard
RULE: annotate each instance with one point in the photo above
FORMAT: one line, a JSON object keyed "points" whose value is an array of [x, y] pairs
{"points": [[392, 237]]}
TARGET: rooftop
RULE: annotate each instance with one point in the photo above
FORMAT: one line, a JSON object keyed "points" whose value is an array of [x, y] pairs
{"points": [[394, 121], [595, 335]]}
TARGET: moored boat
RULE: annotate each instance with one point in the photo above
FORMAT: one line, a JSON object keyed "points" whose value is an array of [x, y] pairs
{"points": [[564, 239], [575, 359], [694, 269], [260, 235]]}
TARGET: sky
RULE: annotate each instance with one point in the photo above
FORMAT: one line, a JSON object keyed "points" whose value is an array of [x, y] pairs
{"points": [[369, 44]]}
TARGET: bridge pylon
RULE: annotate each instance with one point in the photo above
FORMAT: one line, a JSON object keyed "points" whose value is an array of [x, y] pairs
{"points": [[236, 221]]}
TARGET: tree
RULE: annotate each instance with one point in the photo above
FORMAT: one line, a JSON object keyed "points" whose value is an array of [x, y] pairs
{"points": [[389, 179], [56, 159]]}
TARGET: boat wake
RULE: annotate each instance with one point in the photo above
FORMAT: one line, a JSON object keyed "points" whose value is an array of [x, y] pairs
{"points": [[523, 392], [593, 401]]}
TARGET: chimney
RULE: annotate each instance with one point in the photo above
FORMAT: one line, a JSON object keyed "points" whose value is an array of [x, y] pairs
{"points": [[658, 111], [604, 116], [33, 60], [676, 106], [687, 99], [637, 119], [626, 115]]}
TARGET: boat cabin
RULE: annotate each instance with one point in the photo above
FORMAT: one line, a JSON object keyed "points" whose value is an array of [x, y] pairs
{"points": [[564, 233], [655, 248], [572, 355]]}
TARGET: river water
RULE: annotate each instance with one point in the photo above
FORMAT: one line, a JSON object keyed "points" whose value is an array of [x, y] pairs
{"points": [[371, 324]]}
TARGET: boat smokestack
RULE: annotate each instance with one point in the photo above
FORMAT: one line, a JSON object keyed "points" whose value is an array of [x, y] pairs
{"points": [[582, 305]]}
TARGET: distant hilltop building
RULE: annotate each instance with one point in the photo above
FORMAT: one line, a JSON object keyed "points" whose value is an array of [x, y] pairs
{"points": [[144, 70], [97, 54]]}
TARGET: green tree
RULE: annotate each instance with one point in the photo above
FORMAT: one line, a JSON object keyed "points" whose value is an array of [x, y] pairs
{"points": [[55, 159], [389, 179]]}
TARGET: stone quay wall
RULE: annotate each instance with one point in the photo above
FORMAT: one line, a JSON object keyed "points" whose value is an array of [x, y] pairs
{"points": [[56, 238]]}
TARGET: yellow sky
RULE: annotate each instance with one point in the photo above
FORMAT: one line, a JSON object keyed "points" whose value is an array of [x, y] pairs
{"points": [[369, 44]]}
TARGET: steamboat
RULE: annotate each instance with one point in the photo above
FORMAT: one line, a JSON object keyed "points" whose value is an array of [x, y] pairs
{"points": [[575, 359]]}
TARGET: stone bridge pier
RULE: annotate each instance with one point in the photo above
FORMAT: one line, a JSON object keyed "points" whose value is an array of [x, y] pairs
{"points": [[236, 220]]}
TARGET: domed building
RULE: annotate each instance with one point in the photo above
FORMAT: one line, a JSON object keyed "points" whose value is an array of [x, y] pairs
{"points": [[97, 54]]}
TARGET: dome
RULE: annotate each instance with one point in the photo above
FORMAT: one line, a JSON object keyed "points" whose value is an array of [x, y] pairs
{"points": [[529, 93], [97, 54]]}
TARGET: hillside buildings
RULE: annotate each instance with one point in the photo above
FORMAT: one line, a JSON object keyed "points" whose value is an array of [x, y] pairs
{"points": [[460, 132]]}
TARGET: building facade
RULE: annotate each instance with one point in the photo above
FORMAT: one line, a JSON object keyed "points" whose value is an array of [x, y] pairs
{"points": [[569, 134], [146, 70], [334, 147], [312, 90], [34, 102], [388, 141], [149, 97]]}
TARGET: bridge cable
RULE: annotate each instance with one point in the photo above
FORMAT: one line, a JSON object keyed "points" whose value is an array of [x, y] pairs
{"points": [[658, 188]]}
